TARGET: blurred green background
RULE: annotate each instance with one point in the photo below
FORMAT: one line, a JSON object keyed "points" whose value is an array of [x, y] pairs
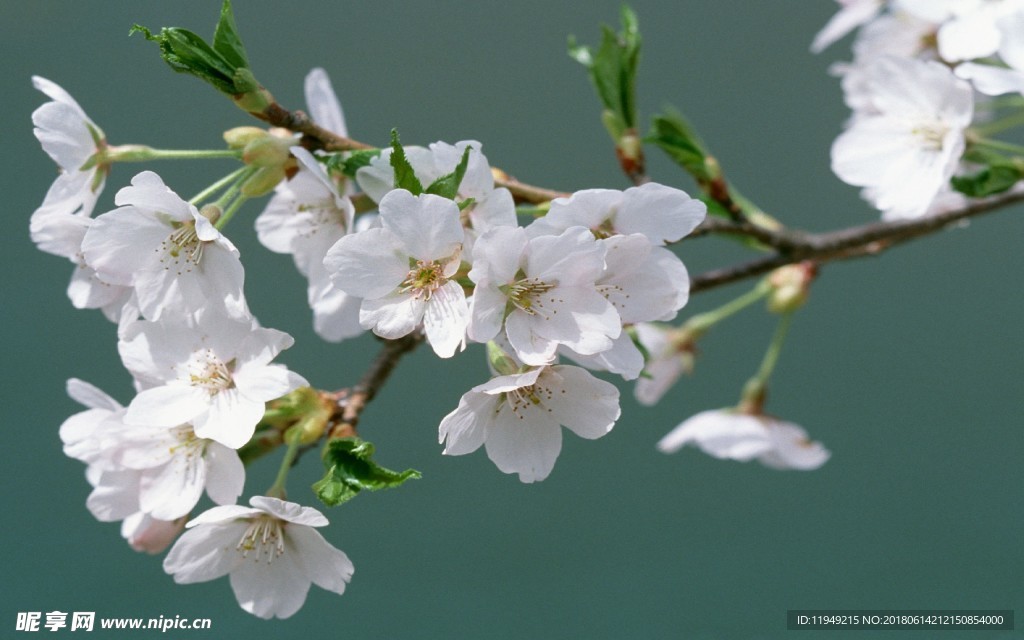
{"points": [[907, 366]]}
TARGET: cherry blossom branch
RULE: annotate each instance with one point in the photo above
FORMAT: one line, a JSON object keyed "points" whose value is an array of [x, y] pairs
{"points": [[844, 244], [350, 402]]}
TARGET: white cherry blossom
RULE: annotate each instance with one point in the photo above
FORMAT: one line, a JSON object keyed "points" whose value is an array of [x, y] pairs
{"points": [[730, 435], [305, 218], [995, 80], [491, 207], [159, 472], [145, 533], [214, 374], [323, 103], [547, 285], [174, 258], [644, 283], [271, 551], [853, 13], [404, 270], [660, 213], [666, 362], [908, 146], [518, 418], [72, 140]]}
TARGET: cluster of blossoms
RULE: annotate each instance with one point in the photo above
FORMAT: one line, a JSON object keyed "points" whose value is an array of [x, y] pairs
{"points": [[202, 369], [584, 282], [919, 72]]}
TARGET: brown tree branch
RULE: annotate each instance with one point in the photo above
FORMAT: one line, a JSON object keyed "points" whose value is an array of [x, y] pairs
{"points": [[855, 242], [350, 402]]}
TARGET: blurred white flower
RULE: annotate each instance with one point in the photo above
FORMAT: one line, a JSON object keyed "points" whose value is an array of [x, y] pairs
{"points": [[727, 434], [305, 218], [906, 146]]}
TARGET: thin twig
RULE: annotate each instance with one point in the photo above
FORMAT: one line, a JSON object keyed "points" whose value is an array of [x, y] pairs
{"points": [[351, 401], [855, 242]]}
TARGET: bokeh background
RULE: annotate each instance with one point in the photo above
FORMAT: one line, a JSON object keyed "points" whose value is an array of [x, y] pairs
{"points": [[907, 366]]}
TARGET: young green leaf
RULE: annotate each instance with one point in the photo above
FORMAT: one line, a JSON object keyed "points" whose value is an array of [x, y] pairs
{"points": [[612, 71], [351, 469], [991, 180], [671, 133], [405, 176], [348, 164], [226, 41], [447, 186]]}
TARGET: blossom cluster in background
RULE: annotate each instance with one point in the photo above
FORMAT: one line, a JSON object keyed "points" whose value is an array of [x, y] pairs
{"points": [[921, 75]]}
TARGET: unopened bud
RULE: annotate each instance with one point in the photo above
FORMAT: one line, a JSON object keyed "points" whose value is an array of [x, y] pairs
{"points": [[629, 146], [502, 363], [267, 151], [211, 212], [263, 181], [238, 137], [790, 285]]}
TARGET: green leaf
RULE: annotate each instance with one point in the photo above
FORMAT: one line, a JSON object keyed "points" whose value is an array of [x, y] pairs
{"points": [[352, 162], [994, 179], [671, 133], [612, 71], [350, 469], [226, 41], [224, 65], [185, 52], [447, 186], [405, 176]]}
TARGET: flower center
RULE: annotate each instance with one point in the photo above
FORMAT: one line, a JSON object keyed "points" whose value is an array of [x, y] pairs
{"points": [[207, 371], [188, 444], [527, 295], [424, 279], [319, 215], [264, 537], [182, 250], [523, 400], [930, 136]]}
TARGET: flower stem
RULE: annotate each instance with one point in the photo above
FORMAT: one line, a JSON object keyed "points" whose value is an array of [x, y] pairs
{"points": [[999, 145], [217, 186], [700, 323], [142, 153], [229, 212], [771, 356], [293, 437], [756, 389], [998, 126]]}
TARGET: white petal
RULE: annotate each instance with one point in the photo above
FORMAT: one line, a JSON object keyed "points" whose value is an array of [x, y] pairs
{"points": [[585, 404], [289, 511], [167, 406], [90, 396], [323, 103], [445, 317], [329, 568], [225, 474], [368, 264], [394, 316], [174, 489], [463, 431], [270, 589], [231, 420], [268, 382], [526, 447], [428, 226], [205, 552], [661, 213]]}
